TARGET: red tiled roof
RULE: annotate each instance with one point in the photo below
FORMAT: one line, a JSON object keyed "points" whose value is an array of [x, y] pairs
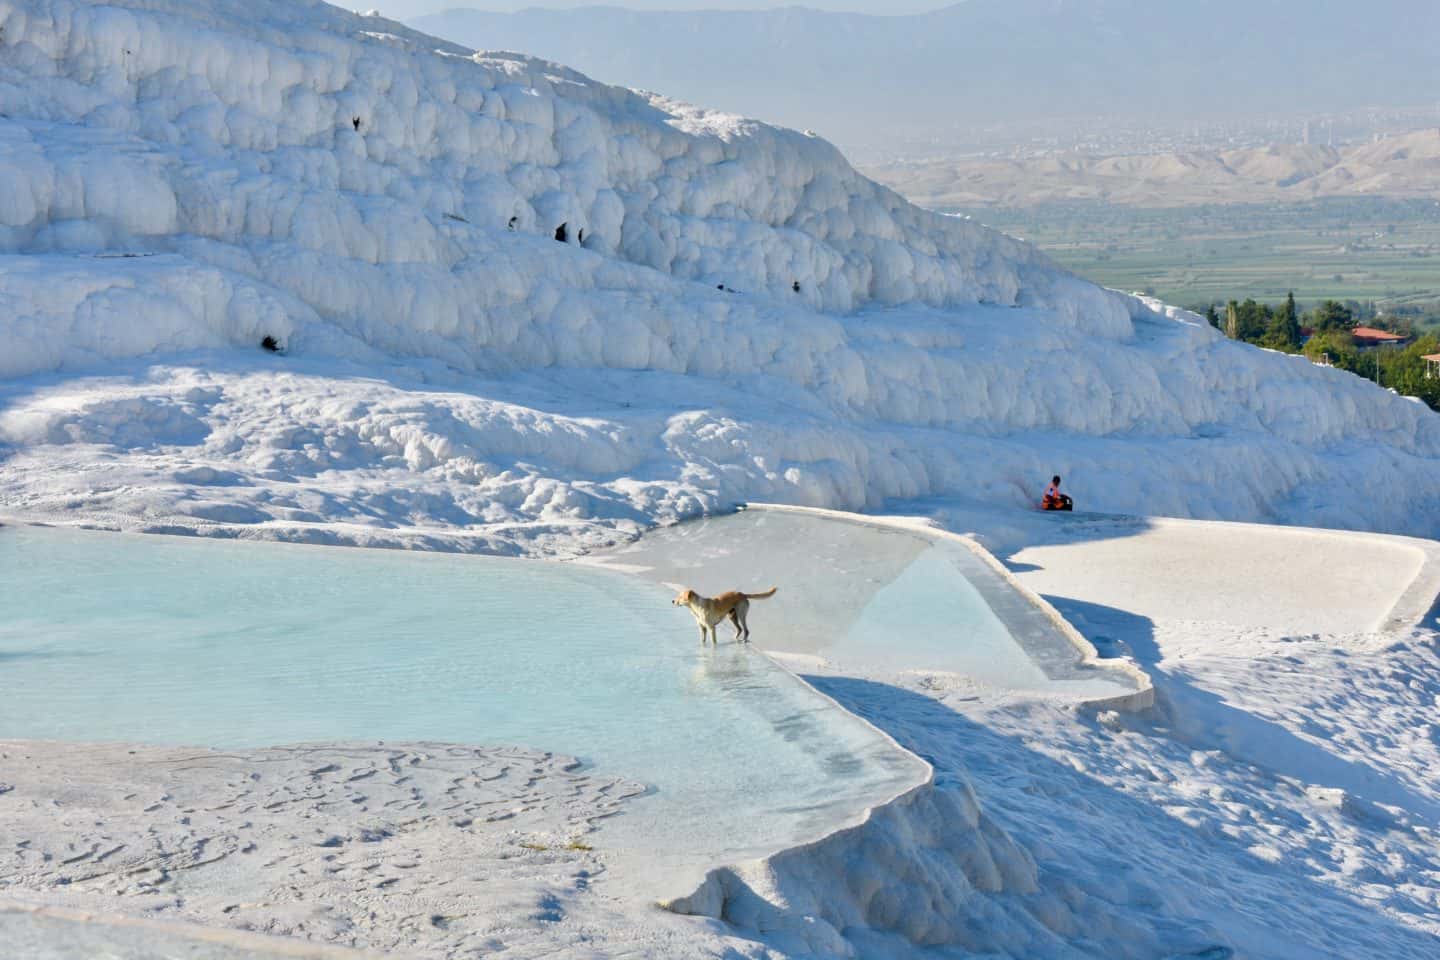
{"points": [[1370, 333], [1433, 356]]}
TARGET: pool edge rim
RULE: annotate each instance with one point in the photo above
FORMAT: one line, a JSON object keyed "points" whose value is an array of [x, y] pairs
{"points": [[1141, 699]]}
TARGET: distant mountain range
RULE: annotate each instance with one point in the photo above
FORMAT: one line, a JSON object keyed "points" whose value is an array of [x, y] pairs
{"points": [[860, 79], [1403, 166]]}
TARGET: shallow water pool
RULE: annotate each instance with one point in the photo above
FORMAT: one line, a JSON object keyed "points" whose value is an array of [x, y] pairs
{"points": [[873, 598], [114, 637]]}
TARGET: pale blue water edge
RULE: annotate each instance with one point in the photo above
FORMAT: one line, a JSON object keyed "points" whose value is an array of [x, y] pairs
{"points": [[874, 599], [130, 638]]}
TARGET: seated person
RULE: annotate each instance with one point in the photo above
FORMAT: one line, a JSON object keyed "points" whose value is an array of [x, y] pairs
{"points": [[1054, 499]]}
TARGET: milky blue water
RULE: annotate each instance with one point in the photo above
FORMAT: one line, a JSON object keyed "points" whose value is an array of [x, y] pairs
{"points": [[114, 637]]}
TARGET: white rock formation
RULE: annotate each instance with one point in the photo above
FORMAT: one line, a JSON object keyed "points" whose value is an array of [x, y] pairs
{"points": [[734, 314]]}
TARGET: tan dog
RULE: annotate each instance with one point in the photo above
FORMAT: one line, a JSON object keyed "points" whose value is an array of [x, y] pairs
{"points": [[709, 611]]}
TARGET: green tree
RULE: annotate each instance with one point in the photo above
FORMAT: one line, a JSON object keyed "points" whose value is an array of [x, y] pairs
{"points": [[1404, 370], [1252, 320], [1247, 321], [1212, 316], [1283, 332], [1332, 315], [1337, 345]]}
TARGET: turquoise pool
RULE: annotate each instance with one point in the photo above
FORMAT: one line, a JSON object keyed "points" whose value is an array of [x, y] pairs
{"points": [[168, 640], [114, 637]]}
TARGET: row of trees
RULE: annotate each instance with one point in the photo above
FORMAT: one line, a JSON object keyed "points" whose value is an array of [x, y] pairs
{"points": [[1330, 340], [1279, 328]]}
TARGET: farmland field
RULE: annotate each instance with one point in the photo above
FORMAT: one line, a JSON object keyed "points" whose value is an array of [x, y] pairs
{"points": [[1363, 249]]}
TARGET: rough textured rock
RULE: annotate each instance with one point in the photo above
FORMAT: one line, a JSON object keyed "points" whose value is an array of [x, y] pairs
{"points": [[442, 848]]}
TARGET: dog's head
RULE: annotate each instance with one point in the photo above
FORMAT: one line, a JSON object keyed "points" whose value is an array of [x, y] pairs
{"points": [[683, 598]]}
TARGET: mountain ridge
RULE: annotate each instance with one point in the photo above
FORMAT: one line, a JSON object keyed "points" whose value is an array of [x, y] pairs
{"points": [[987, 60], [1405, 166]]}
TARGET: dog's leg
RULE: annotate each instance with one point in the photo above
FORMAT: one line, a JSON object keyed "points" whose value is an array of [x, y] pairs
{"points": [[702, 634], [735, 622], [742, 621]]}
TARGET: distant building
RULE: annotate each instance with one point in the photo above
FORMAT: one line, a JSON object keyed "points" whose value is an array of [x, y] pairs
{"points": [[1432, 366], [1368, 338]]}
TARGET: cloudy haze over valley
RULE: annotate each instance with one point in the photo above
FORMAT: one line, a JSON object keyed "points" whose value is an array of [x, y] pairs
{"points": [[927, 80]]}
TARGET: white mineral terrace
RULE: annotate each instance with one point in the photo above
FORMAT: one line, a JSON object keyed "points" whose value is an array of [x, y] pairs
{"points": [[272, 270]]}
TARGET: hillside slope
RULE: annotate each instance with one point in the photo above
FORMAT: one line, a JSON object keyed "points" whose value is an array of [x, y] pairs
{"points": [[744, 316], [1404, 166]]}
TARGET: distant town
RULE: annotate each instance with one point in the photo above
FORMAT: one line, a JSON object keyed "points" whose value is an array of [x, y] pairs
{"points": [[1112, 136]]}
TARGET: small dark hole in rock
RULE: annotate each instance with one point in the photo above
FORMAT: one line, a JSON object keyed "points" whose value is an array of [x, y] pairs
{"points": [[271, 344]]}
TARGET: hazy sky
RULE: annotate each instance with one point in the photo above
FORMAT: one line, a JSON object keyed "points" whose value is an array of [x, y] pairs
{"points": [[404, 9]]}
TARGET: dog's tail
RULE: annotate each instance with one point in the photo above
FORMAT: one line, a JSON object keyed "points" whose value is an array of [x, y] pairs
{"points": [[761, 596]]}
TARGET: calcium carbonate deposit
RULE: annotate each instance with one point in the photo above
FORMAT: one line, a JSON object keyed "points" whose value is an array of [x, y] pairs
{"points": [[271, 269], [507, 303]]}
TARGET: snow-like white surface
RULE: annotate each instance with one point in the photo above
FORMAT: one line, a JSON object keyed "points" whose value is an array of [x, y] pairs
{"points": [[58, 933], [1228, 575], [186, 178], [369, 845], [1279, 801], [1290, 759]]}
